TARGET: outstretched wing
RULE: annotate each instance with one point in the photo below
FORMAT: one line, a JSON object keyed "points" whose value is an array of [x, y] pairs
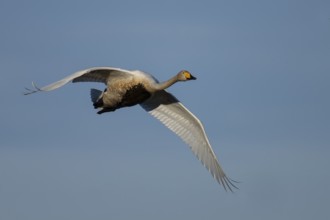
{"points": [[96, 74], [165, 107]]}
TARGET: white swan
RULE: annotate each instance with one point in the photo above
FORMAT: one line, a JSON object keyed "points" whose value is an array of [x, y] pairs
{"points": [[128, 88]]}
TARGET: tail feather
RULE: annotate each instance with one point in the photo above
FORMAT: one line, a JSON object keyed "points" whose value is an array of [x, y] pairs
{"points": [[97, 99], [96, 95]]}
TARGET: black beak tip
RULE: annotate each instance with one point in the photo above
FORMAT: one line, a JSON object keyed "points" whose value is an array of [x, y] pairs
{"points": [[193, 78]]}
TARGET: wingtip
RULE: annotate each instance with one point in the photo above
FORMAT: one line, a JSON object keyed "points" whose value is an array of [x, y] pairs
{"points": [[229, 185], [31, 91]]}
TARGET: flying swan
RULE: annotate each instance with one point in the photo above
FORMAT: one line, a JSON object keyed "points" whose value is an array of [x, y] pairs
{"points": [[126, 88]]}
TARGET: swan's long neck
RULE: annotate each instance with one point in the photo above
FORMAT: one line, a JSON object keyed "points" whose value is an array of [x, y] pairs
{"points": [[166, 84]]}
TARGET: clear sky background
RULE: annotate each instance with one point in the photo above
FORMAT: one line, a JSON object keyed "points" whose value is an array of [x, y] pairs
{"points": [[263, 70]]}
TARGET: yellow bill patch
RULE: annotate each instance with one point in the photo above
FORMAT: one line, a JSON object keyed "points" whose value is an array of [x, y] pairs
{"points": [[187, 74]]}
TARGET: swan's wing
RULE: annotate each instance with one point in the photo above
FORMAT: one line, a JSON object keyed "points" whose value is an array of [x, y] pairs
{"points": [[96, 74], [165, 107]]}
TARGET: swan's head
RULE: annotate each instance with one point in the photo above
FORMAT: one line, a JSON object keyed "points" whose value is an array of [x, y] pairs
{"points": [[185, 75]]}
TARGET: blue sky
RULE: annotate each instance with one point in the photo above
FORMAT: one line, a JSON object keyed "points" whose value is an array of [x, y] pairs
{"points": [[263, 70]]}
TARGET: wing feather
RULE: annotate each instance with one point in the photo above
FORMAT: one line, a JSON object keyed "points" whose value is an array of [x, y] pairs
{"points": [[96, 74], [166, 108]]}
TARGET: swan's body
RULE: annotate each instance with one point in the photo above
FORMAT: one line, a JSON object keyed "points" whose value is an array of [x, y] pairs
{"points": [[128, 88]]}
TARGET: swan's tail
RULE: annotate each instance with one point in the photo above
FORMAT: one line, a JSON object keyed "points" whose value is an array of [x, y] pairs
{"points": [[96, 96], [97, 99]]}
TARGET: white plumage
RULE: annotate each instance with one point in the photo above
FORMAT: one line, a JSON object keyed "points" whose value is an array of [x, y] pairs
{"points": [[127, 88]]}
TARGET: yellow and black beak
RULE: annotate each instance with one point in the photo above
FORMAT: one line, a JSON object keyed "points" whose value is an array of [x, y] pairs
{"points": [[192, 77], [187, 75]]}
